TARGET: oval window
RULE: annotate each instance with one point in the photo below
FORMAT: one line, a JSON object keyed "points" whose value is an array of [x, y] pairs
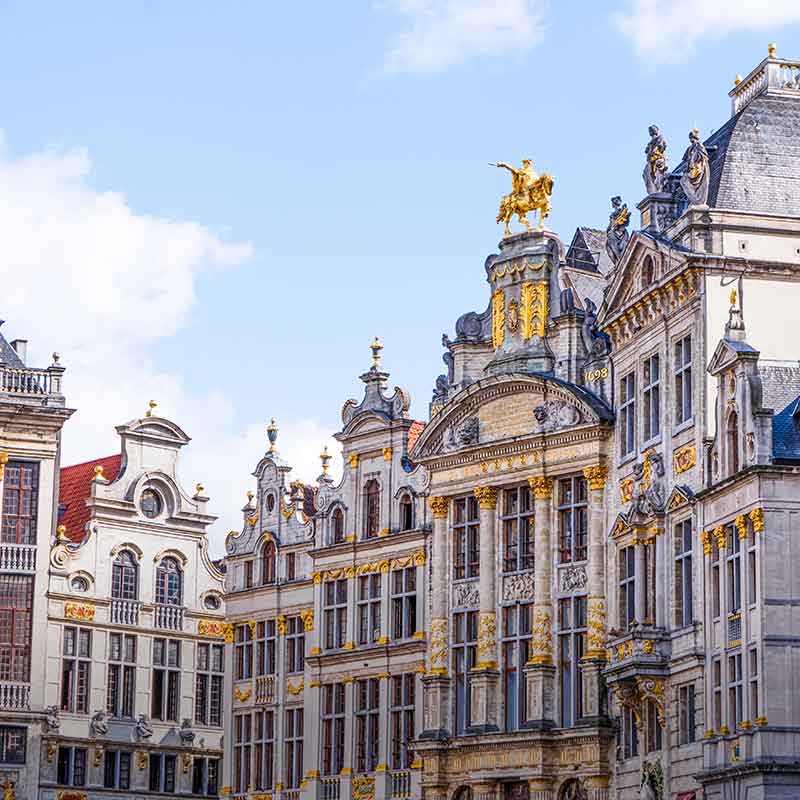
{"points": [[79, 584], [270, 502], [212, 602], [151, 503]]}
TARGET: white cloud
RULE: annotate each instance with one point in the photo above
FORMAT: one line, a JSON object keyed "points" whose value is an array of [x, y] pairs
{"points": [[83, 274], [664, 32], [441, 33]]}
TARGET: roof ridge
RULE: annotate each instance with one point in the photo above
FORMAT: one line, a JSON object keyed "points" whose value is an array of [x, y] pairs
{"points": [[91, 461]]}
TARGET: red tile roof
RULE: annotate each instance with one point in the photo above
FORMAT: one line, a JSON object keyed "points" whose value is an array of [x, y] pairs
{"points": [[413, 433], [75, 489]]}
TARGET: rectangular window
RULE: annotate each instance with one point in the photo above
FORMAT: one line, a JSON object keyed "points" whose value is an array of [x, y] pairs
{"points": [[735, 690], [716, 689], [265, 647], [249, 568], [516, 641], [686, 714], [243, 652], [517, 525], [466, 538], [162, 772], [402, 700], [716, 588], [16, 606], [753, 678], [630, 734], [368, 608], [72, 766], [205, 776], [335, 613], [333, 728], [683, 574], [734, 569], [627, 414], [20, 503], [208, 684], [653, 728], [293, 734], [264, 743], [367, 724], [76, 665], [651, 397], [572, 520], [752, 567], [291, 566], [404, 602], [121, 688], [627, 587], [166, 679], [571, 645], [683, 380], [295, 645], [465, 640], [117, 770], [12, 744], [241, 752]]}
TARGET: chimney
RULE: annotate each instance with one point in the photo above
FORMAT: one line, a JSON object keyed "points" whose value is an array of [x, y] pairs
{"points": [[21, 349]]}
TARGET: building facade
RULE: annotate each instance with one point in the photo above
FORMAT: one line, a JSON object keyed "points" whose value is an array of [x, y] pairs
{"points": [[32, 413], [599, 516], [132, 649]]}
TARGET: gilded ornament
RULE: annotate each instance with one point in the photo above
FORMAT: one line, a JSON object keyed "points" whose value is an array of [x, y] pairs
{"points": [[295, 688], [741, 526], [761, 721], [151, 407], [376, 348], [498, 317], [486, 497], [242, 695], [280, 621], [387, 453], [363, 788], [684, 459], [596, 476], [626, 490], [757, 518], [439, 506], [542, 487], [437, 649], [78, 611], [705, 538], [596, 625], [512, 317], [98, 472], [186, 761], [487, 643], [211, 627], [541, 637], [719, 535], [308, 619], [529, 192], [648, 647], [3, 462], [352, 460], [534, 308]]}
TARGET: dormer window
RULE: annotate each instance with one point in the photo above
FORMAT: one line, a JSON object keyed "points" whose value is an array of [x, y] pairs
{"points": [[406, 513], [372, 509], [151, 503]]}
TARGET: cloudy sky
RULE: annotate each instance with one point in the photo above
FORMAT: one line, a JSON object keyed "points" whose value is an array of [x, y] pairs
{"points": [[218, 206]]}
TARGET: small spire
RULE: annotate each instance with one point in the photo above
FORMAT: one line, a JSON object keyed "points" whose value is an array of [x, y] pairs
{"points": [[151, 407], [376, 348], [772, 49], [324, 457], [272, 434]]}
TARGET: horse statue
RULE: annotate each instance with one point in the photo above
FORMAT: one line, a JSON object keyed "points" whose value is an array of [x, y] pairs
{"points": [[529, 192]]}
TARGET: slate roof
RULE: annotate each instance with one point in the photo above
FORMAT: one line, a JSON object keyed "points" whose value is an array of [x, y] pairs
{"points": [[780, 382], [75, 489], [587, 251], [8, 355], [786, 433], [755, 158]]}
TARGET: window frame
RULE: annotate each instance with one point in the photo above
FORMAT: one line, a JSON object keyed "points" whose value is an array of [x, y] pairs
{"points": [[242, 738], [517, 526], [16, 613], [651, 398], [167, 763], [626, 583], [293, 737], [209, 683], [515, 644], [334, 611], [573, 520], [76, 766], [402, 710], [403, 597], [20, 494], [76, 669], [627, 415], [168, 675], [121, 675], [572, 631], [465, 656], [366, 714], [266, 654], [115, 759], [125, 576], [295, 645], [369, 599], [242, 652], [687, 714], [209, 784], [466, 531], [264, 748], [332, 713], [9, 753], [372, 509], [682, 370], [683, 561]]}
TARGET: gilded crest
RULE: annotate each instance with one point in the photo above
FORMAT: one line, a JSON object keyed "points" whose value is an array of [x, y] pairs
{"points": [[512, 316]]}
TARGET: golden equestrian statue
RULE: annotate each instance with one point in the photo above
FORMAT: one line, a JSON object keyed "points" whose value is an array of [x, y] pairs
{"points": [[529, 192]]}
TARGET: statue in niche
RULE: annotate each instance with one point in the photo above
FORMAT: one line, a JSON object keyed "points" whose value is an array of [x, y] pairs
{"points": [[595, 341], [655, 170], [694, 181], [617, 235]]}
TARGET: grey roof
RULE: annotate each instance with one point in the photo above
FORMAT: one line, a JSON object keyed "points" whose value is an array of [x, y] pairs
{"points": [[786, 433], [587, 251], [780, 381], [755, 158], [7, 354], [586, 284]]}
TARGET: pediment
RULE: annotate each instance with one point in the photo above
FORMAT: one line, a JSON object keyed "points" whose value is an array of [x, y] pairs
{"points": [[727, 353], [681, 496], [508, 407]]}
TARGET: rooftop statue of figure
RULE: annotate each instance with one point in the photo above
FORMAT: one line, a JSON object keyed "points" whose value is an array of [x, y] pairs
{"points": [[696, 172], [617, 231], [655, 170], [529, 192]]}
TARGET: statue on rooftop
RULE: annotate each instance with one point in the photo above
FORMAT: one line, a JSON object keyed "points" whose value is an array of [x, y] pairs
{"points": [[529, 192], [655, 170], [694, 181], [617, 231]]}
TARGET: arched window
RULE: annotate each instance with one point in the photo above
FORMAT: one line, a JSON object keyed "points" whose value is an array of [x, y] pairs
{"points": [[372, 509], [648, 272], [733, 443], [268, 563], [337, 526], [169, 582], [125, 577], [406, 513]]}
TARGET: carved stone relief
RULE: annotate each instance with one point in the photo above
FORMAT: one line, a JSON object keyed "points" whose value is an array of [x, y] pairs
{"points": [[571, 579], [552, 415], [461, 434], [465, 595], [518, 587]]}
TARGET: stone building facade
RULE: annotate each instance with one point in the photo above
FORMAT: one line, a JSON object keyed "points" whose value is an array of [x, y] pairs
{"points": [[600, 513], [132, 649], [32, 413]]}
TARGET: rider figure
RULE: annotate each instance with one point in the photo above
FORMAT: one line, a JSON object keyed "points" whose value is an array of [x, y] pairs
{"points": [[523, 179]]}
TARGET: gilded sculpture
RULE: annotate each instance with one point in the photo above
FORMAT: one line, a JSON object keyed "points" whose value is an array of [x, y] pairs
{"points": [[696, 171], [529, 192], [655, 170]]}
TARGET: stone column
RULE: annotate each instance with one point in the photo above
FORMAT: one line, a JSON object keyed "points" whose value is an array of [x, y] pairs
{"points": [[539, 671], [226, 779], [383, 780], [436, 683], [348, 757], [312, 700], [485, 677], [594, 659], [641, 579]]}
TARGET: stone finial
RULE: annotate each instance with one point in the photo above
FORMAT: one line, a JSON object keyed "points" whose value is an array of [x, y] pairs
{"points": [[61, 533], [199, 489], [772, 49], [98, 472], [737, 80], [151, 407], [376, 348], [325, 458], [272, 434]]}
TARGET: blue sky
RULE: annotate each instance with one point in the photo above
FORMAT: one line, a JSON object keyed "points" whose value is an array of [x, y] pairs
{"points": [[289, 180]]}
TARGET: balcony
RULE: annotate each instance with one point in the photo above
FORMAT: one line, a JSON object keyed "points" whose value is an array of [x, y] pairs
{"points": [[14, 696], [29, 383], [642, 650], [401, 785], [125, 612], [265, 689], [329, 788], [168, 618], [18, 558]]}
